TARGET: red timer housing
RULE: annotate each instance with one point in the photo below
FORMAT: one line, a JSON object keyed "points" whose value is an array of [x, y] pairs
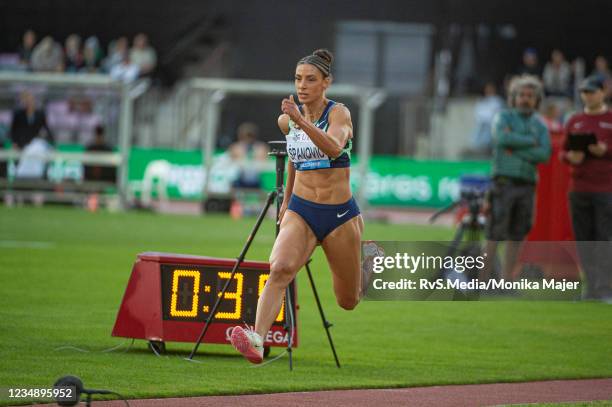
{"points": [[169, 297]]}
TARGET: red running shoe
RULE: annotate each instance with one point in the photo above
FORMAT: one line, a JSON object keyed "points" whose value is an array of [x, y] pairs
{"points": [[249, 343]]}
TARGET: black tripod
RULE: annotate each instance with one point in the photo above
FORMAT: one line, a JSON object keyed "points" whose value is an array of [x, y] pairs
{"points": [[472, 224], [278, 150], [468, 239]]}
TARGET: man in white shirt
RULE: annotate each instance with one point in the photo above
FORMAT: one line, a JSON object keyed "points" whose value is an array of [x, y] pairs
{"points": [[143, 55], [126, 71]]}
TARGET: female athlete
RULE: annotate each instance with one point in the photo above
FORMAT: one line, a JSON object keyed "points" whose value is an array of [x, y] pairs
{"points": [[318, 207]]}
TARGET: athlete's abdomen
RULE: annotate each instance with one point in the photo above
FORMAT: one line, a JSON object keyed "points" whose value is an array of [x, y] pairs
{"points": [[327, 186]]}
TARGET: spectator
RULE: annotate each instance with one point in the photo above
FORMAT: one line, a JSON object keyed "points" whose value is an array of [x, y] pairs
{"points": [[92, 54], [27, 46], [143, 55], [520, 142], [557, 75], [73, 57], [47, 56], [602, 70], [32, 162], [117, 50], [29, 123], [591, 188], [126, 71], [530, 64], [250, 154], [551, 115], [97, 172], [484, 112]]}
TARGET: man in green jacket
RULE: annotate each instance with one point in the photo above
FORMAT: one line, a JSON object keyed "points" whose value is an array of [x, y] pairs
{"points": [[520, 142]]}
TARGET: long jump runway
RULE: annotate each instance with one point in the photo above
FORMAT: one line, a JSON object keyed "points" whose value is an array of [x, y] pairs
{"points": [[554, 391]]}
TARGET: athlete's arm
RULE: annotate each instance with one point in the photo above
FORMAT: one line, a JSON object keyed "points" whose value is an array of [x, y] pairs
{"points": [[283, 124], [339, 131], [290, 181]]}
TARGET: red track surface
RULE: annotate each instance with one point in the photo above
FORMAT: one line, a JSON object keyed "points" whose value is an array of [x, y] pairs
{"points": [[439, 396]]}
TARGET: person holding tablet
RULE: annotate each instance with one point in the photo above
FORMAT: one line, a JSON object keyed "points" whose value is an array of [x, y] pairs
{"points": [[588, 149]]}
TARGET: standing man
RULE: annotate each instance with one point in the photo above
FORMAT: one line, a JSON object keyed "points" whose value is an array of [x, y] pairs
{"points": [[143, 55], [520, 142], [31, 135], [591, 187], [28, 123]]}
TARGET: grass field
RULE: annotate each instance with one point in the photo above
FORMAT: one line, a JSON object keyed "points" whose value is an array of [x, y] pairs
{"points": [[64, 271]]}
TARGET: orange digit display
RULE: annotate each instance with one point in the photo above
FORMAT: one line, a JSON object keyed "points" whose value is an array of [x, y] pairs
{"points": [[190, 293], [176, 278], [232, 295]]}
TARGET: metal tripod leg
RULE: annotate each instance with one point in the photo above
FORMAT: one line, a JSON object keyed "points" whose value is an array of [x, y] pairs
{"points": [[326, 323], [289, 322]]}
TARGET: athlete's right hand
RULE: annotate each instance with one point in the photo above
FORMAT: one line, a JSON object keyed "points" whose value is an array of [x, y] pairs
{"points": [[289, 107]]}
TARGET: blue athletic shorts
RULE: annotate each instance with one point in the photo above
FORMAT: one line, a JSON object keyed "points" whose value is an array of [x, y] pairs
{"points": [[323, 218]]}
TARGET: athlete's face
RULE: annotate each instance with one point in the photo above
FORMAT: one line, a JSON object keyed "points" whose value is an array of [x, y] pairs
{"points": [[310, 83]]}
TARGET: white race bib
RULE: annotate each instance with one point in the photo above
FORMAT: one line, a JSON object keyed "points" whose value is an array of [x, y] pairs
{"points": [[303, 152]]}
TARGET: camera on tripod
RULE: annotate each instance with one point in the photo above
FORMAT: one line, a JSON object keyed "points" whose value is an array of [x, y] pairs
{"points": [[473, 192], [472, 195], [468, 237]]}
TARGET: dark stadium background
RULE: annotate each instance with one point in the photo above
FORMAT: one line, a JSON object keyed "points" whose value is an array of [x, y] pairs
{"points": [[268, 37]]}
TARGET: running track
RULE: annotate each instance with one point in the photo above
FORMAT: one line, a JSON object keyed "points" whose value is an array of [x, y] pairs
{"points": [[439, 396]]}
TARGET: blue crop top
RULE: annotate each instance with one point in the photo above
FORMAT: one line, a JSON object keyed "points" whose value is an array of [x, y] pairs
{"points": [[305, 155]]}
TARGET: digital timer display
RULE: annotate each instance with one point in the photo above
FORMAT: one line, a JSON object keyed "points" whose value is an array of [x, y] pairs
{"points": [[189, 293], [169, 298]]}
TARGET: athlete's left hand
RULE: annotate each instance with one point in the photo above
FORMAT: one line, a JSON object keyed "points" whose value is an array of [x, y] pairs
{"points": [[289, 107]]}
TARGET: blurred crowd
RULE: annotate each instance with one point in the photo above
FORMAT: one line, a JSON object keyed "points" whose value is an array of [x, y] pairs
{"points": [[559, 75], [560, 79], [542, 136], [72, 118], [122, 60]]}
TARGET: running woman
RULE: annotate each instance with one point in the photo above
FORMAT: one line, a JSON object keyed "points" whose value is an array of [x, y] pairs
{"points": [[318, 207]]}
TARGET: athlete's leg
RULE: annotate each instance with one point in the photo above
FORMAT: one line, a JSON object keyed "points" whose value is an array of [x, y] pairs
{"points": [[292, 248], [342, 248]]}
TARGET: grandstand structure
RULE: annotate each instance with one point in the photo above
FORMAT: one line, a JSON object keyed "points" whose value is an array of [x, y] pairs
{"points": [[410, 71], [113, 107]]}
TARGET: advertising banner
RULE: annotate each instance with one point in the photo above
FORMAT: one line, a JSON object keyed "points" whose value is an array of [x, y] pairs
{"points": [[391, 181]]}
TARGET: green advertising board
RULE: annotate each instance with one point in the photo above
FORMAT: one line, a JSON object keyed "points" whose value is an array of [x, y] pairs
{"points": [[391, 181], [398, 181], [179, 174]]}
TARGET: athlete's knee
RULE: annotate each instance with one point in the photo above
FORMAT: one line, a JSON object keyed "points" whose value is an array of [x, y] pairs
{"points": [[348, 302], [281, 273]]}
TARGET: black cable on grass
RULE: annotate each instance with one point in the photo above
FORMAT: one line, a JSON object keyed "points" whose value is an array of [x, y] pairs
{"points": [[116, 347], [271, 360], [109, 350]]}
